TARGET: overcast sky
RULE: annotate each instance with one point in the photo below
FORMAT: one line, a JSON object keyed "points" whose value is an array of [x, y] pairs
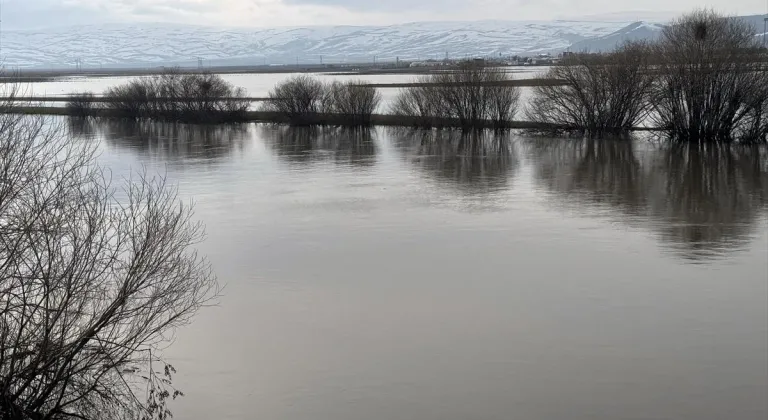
{"points": [[20, 14]]}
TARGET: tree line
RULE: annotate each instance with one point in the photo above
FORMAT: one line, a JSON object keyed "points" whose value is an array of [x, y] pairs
{"points": [[172, 95], [704, 80]]}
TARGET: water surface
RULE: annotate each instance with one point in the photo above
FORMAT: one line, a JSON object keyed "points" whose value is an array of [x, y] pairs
{"points": [[393, 274]]}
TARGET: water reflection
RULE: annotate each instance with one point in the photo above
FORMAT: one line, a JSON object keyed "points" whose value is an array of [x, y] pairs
{"points": [[302, 145], [703, 201], [477, 163], [175, 142], [81, 128]]}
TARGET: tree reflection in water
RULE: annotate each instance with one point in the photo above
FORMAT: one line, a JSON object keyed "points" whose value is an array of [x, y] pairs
{"points": [[302, 145], [475, 163], [703, 201], [175, 142], [81, 128]]}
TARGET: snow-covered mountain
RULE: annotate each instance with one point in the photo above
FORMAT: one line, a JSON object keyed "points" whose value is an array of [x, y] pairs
{"points": [[167, 45], [155, 44], [645, 31], [634, 32]]}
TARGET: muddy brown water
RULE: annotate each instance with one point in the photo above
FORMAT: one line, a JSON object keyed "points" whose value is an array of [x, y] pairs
{"points": [[393, 274]]}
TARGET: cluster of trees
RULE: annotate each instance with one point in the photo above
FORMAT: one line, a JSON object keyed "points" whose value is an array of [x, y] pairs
{"points": [[471, 96], [303, 100], [172, 96], [704, 80]]}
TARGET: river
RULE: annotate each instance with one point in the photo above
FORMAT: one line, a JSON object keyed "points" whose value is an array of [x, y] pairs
{"points": [[396, 274]]}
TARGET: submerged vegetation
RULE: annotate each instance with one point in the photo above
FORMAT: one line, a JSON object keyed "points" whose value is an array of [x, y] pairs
{"points": [[705, 80], [174, 96], [81, 104], [603, 94], [711, 84], [171, 96], [302, 99], [472, 96]]}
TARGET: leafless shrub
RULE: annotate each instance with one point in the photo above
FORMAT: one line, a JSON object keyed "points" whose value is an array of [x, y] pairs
{"points": [[711, 82], [130, 100], [419, 102], [473, 95], [93, 281], [352, 99], [603, 93], [298, 98], [81, 104], [175, 96]]}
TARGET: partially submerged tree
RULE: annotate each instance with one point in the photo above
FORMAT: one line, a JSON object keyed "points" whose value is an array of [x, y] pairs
{"points": [[93, 281], [305, 100], [298, 98], [473, 95], [418, 102], [601, 94], [711, 84], [81, 104], [178, 96], [354, 100]]}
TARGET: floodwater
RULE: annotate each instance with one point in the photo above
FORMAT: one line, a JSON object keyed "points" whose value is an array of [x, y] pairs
{"points": [[396, 274], [256, 85]]}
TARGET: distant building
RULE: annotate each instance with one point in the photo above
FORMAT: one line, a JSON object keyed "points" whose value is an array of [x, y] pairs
{"points": [[428, 63]]}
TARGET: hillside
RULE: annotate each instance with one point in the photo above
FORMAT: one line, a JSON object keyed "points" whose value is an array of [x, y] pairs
{"points": [[153, 44], [149, 45]]}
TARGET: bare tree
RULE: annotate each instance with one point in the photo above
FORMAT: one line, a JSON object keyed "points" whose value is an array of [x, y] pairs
{"points": [[473, 95], [602, 93], [93, 281], [353, 99], [711, 81], [298, 98], [176, 96], [81, 104], [419, 102]]}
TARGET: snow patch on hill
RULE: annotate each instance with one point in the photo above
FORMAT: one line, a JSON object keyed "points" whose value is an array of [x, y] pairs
{"points": [[155, 44]]}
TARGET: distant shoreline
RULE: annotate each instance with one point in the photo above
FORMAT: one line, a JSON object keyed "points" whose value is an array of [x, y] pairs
{"points": [[363, 69]]}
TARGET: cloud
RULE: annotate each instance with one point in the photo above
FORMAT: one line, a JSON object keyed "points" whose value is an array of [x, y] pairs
{"points": [[399, 6], [27, 14]]}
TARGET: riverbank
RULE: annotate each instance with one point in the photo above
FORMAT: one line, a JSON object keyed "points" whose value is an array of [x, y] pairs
{"points": [[385, 120]]}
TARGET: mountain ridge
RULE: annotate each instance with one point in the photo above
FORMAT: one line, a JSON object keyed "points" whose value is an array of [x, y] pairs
{"points": [[151, 45], [157, 44]]}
